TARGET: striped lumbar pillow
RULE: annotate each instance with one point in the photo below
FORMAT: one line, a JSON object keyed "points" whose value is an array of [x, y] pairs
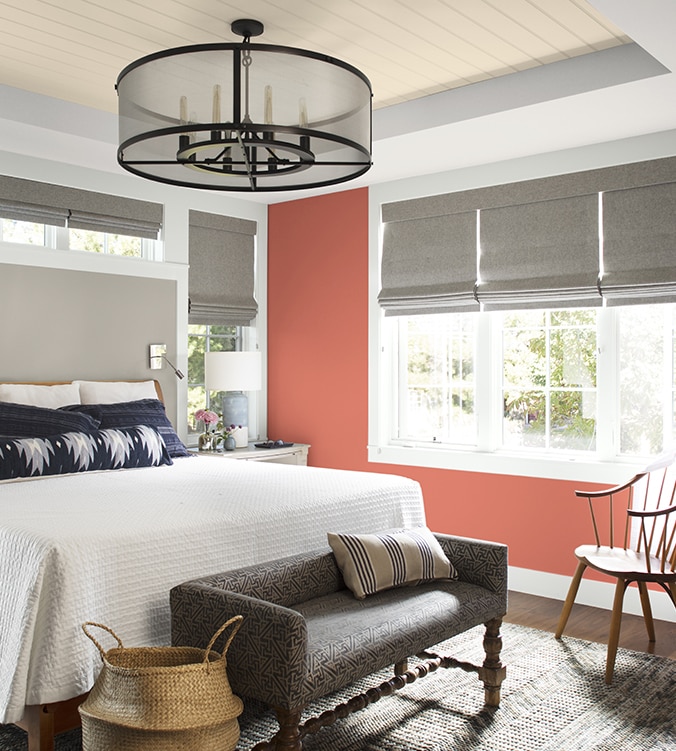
{"points": [[373, 562]]}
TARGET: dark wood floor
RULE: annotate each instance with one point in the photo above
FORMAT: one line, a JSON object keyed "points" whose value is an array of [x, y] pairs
{"points": [[591, 624]]}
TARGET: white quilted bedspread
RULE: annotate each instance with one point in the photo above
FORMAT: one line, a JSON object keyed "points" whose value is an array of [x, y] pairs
{"points": [[108, 546]]}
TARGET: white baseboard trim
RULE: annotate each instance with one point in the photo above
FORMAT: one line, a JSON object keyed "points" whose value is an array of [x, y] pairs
{"points": [[595, 593]]}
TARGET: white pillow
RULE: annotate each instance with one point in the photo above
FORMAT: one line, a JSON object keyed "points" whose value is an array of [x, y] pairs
{"points": [[113, 392], [52, 397]]}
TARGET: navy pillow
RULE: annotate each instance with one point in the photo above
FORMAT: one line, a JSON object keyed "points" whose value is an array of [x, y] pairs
{"points": [[26, 421], [141, 412], [114, 448]]}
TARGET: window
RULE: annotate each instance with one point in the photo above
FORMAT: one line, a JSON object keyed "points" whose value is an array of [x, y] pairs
{"points": [[201, 339], [16, 231], [594, 382], [102, 242], [646, 378], [61, 238], [549, 379], [437, 394], [568, 359], [65, 218]]}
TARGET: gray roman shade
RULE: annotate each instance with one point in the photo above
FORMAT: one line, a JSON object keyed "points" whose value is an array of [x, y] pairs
{"points": [[540, 255], [32, 201], [429, 263], [221, 277], [27, 212], [115, 225], [639, 245], [540, 243]]}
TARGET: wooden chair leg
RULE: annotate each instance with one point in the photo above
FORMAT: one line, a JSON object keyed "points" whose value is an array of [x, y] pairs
{"points": [[647, 611], [672, 589], [570, 598], [614, 633]]}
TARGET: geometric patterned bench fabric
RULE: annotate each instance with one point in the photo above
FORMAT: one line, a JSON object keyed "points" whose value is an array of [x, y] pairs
{"points": [[305, 635]]}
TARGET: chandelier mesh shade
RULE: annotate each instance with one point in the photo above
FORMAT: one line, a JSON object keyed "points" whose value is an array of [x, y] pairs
{"points": [[244, 117]]}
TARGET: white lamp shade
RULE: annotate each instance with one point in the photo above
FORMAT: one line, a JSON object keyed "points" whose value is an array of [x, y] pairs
{"points": [[232, 371]]}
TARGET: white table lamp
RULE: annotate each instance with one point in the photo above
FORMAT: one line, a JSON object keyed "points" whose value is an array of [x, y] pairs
{"points": [[234, 373]]}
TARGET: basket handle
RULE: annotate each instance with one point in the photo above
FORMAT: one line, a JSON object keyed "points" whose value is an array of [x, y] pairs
{"points": [[105, 628], [237, 619]]}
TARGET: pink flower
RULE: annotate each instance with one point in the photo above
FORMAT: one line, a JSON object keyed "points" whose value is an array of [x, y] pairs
{"points": [[206, 416]]}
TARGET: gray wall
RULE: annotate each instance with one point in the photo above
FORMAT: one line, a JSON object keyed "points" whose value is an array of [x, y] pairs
{"points": [[59, 325]]}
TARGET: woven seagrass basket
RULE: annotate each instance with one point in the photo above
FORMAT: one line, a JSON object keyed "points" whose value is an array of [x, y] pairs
{"points": [[161, 698]]}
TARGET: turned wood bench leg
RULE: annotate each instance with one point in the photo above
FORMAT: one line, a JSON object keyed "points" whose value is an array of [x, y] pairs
{"points": [[289, 736], [492, 672], [401, 667]]}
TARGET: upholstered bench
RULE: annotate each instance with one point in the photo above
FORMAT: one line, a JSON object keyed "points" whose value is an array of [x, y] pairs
{"points": [[305, 634]]}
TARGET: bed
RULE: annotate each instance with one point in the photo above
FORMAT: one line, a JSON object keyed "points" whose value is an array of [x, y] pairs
{"points": [[107, 545]]}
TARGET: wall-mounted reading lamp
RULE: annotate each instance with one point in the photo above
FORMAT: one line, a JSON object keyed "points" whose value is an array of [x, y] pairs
{"points": [[158, 356]]}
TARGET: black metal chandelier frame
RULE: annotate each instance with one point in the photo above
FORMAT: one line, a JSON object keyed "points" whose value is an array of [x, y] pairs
{"points": [[243, 149]]}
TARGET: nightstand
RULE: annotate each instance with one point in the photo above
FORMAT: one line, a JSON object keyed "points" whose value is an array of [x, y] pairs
{"points": [[296, 454]]}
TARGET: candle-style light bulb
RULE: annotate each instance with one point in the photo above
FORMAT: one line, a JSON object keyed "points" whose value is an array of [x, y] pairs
{"points": [[267, 116], [302, 113], [183, 138], [216, 111]]}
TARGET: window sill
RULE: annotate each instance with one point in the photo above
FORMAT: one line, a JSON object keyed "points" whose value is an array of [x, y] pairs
{"points": [[577, 468]]}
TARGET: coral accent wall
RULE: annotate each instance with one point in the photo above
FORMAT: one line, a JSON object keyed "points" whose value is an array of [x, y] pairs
{"points": [[317, 375]]}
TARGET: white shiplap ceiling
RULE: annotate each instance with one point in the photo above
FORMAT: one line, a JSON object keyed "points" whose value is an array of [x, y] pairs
{"points": [[74, 49], [457, 83]]}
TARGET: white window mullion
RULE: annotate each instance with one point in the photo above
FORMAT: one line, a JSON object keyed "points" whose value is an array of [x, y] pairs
{"points": [[60, 238], [390, 387], [450, 347], [607, 395], [397, 386], [548, 380], [488, 381], [668, 377]]}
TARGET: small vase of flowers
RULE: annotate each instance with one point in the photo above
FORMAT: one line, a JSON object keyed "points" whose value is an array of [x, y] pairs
{"points": [[209, 439], [228, 437]]}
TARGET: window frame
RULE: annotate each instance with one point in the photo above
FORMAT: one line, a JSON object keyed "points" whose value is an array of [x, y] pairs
{"points": [[193, 435], [605, 464], [58, 238], [604, 467], [245, 340]]}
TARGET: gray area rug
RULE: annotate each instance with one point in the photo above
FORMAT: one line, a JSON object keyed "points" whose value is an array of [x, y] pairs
{"points": [[554, 699]]}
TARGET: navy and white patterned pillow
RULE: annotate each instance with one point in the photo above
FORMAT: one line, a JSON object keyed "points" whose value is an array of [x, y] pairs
{"points": [[141, 412], [27, 421], [112, 448]]}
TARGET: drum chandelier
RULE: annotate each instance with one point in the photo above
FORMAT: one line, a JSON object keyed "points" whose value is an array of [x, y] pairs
{"points": [[244, 117]]}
